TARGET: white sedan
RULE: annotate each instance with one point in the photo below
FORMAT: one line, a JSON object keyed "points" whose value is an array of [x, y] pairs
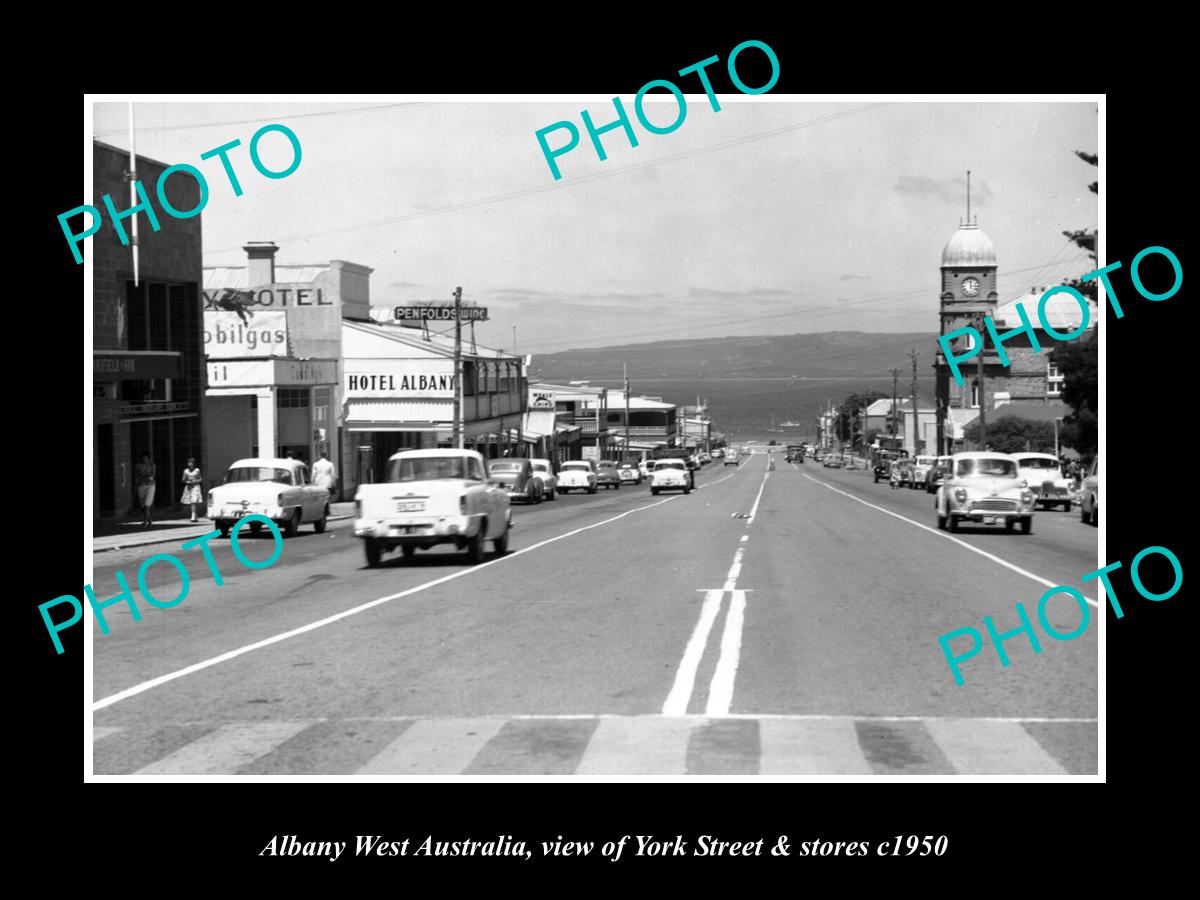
{"points": [[1044, 476], [984, 488], [577, 475], [276, 488], [670, 475]]}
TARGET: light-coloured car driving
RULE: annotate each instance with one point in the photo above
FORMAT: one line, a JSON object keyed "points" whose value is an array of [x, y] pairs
{"points": [[577, 475], [276, 488], [986, 488], [543, 471], [433, 497], [1043, 475], [1089, 503], [670, 475]]}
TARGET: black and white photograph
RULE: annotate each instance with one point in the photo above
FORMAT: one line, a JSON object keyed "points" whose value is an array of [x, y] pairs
{"points": [[698, 432]]}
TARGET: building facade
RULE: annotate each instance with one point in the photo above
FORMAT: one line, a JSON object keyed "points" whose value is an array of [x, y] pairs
{"points": [[399, 392], [147, 339], [273, 336]]}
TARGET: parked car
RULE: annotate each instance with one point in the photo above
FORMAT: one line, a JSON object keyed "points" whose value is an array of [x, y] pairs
{"points": [[276, 488], [883, 466], [433, 497], [987, 488], [718, 453], [577, 475], [543, 471], [1089, 504], [645, 466], [517, 478], [938, 474], [670, 475], [1043, 473], [629, 472], [607, 475]]}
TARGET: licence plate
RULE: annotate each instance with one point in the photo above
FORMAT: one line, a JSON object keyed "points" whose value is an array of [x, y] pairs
{"points": [[410, 506], [989, 520]]}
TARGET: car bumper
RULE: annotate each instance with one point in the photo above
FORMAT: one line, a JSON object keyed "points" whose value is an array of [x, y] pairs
{"points": [[232, 514], [417, 531]]}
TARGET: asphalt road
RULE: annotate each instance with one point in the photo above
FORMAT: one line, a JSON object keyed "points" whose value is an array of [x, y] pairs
{"points": [[781, 623]]}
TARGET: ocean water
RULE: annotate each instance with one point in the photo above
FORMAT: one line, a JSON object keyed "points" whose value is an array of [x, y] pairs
{"points": [[742, 407]]}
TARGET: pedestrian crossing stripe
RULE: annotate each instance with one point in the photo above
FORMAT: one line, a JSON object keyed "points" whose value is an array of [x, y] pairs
{"points": [[590, 745]]}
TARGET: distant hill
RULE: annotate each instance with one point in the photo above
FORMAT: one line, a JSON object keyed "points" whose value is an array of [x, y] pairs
{"points": [[830, 354]]}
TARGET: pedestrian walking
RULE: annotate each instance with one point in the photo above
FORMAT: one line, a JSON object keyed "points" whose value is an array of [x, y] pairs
{"points": [[191, 486], [323, 473], [144, 474]]}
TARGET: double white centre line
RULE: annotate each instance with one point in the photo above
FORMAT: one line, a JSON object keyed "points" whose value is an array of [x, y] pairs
{"points": [[720, 689]]}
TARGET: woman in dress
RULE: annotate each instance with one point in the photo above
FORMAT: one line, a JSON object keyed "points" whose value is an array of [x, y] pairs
{"points": [[191, 487]]}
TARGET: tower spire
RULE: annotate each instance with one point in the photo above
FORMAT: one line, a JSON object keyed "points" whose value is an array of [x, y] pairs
{"points": [[968, 196]]}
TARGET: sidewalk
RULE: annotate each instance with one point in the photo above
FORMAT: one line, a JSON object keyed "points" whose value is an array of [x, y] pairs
{"points": [[130, 533]]}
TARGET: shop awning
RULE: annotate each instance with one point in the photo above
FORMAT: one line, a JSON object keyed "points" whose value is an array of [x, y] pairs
{"points": [[398, 415]]}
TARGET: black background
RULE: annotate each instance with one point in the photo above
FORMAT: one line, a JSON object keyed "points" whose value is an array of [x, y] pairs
{"points": [[210, 835]]}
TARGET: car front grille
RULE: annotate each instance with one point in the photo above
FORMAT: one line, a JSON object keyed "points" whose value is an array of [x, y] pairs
{"points": [[995, 505]]}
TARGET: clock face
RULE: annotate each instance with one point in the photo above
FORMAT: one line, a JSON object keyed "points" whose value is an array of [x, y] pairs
{"points": [[970, 287]]}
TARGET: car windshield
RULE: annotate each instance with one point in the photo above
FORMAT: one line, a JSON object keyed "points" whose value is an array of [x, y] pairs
{"points": [[258, 473], [426, 468], [575, 467], [996, 468], [1035, 462]]}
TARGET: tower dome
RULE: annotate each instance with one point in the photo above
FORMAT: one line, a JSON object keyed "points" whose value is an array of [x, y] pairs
{"points": [[969, 247]]}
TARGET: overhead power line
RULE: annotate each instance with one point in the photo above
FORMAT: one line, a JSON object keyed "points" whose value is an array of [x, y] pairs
{"points": [[582, 179], [257, 119]]}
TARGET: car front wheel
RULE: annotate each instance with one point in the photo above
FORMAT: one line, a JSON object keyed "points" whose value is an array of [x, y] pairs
{"points": [[293, 523], [1027, 525], [500, 544], [951, 523]]}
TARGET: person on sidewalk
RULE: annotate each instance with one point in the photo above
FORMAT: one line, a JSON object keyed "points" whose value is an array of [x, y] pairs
{"points": [[144, 474], [323, 474], [191, 486]]}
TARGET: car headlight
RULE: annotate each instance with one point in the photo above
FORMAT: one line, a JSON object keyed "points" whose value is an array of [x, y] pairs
{"points": [[960, 495], [462, 504], [1026, 497], [279, 500]]}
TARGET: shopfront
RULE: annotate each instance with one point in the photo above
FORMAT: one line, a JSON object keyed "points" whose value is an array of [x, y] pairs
{"points": [[399, 389]]}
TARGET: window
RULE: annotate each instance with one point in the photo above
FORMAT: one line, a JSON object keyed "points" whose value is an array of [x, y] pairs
{"points": [[1054, 380], [975, 394], [293, 398]]}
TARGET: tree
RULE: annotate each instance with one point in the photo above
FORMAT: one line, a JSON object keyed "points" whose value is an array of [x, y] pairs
{"points": [[1086, 238], [1079, 363], [849, 425], [1010, 434]]}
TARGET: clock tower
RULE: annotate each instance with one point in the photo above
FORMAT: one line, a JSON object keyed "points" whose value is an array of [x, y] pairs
{"points": [[968, 294]]}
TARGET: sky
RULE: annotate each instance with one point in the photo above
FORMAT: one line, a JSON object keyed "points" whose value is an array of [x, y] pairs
{"points": [[771, 216]]}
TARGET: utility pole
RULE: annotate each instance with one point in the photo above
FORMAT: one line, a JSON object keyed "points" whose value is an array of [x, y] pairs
{"points": [[916, 413], [982, 393], [892, 417], [458, 390], [625, 373]]}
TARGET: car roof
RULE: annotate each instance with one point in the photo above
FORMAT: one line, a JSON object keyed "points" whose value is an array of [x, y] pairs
{"points": [[982, 454], [266, 461], [514, 460], [434, 454], [1024, 455]]}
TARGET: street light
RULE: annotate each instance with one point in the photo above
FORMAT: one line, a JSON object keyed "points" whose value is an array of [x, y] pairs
{"points": [[1057, 419]]}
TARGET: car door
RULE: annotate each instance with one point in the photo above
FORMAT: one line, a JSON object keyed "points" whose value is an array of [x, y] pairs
{"points": [[304, 494]]}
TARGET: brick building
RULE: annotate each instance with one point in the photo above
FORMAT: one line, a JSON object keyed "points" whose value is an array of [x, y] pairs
{"points": [[969, 293], [147, 341]]}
